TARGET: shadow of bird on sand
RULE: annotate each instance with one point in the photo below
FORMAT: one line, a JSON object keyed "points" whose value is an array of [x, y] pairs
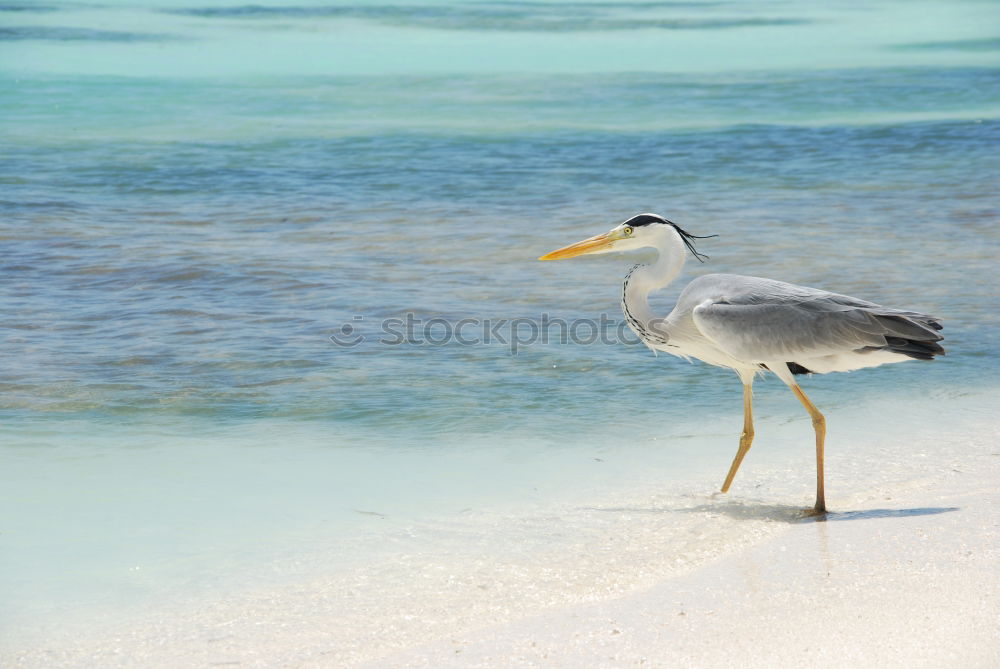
{"points": [[785, 513]]}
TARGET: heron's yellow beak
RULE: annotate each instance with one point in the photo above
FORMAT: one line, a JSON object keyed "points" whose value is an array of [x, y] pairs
{"points": [[597, 243]]}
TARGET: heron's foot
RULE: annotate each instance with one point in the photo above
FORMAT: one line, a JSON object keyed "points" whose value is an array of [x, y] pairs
{"points": [[818, 511]]}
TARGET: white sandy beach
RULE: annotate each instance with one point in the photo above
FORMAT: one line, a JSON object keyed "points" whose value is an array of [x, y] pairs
{"points": [[903, 573], [911, 582]]}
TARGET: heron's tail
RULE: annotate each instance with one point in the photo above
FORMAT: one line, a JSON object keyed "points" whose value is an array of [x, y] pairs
{"points": [[911, 334]]}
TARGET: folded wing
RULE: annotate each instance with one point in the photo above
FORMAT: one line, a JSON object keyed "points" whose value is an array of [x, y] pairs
{"points": [[785, 323]]}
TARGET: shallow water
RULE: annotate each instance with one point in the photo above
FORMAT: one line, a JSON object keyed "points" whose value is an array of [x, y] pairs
{"points": [[196, 199]]}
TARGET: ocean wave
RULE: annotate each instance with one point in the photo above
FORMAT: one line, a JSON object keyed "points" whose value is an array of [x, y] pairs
{"points": [[507, 16], [61, 34], [988, 44], [23, 7]]}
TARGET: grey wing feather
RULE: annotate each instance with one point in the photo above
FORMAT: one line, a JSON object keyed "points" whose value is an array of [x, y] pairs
{"points": [[760, 320]]}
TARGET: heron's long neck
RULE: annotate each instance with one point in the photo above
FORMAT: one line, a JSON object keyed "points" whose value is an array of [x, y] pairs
{"points": [[646, 279]]}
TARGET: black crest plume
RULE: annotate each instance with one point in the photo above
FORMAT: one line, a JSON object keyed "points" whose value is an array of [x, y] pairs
{"points": [[648, 219]]}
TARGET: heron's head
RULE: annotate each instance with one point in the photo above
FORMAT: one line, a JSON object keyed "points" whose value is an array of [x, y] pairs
{"points": [[638, 232]]}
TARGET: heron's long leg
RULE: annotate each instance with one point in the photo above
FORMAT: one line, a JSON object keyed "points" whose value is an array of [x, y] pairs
{"points": [[745, 438], [819, 424]]}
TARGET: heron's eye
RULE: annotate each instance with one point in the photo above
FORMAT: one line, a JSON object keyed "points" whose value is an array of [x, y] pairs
{"points": [[627, 231]]}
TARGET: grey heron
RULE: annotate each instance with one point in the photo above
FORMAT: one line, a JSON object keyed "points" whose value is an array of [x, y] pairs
{"points": [[753, 325]]}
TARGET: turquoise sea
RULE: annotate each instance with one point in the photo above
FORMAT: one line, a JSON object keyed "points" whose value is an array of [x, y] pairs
{"points": [[215, 216]]}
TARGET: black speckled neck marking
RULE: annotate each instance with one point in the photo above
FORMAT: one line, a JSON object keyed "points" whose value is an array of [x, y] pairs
{"points": [[638, 326]]}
